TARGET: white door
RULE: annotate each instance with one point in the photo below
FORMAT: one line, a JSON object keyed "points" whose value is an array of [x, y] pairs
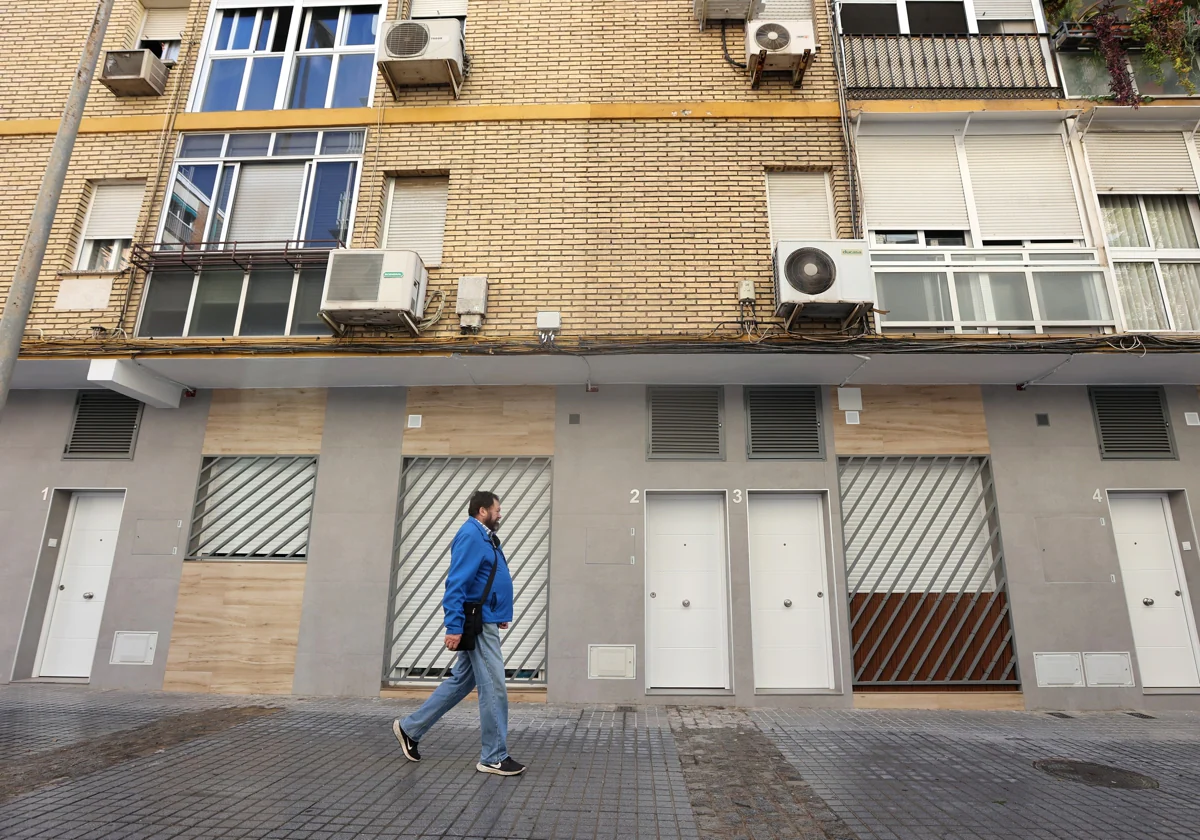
{"points": [[687, 639], [77, 599], [789, 597], [1155, 592]]}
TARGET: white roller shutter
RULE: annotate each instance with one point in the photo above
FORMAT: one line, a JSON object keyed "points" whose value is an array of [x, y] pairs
{"points": [[114, 211], [266, 203], [798, 205], [1023, 188], [417, 217], [1003, 10], [254, 507], [1140, 163], [164, 24], [438, 8], [912, 183]]}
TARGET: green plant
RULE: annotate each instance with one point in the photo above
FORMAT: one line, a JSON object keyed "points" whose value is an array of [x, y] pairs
{"points": [[1108, 43], [1162, 27]]}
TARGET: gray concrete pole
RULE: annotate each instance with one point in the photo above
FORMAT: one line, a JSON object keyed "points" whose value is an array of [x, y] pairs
{"points": [[20, 293]]}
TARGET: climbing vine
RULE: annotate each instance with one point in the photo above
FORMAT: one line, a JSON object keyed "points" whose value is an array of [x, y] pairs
{"points": [[1163, 30], [1109, 45]]}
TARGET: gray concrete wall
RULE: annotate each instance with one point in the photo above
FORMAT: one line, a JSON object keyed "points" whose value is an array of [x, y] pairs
{"points": [[1061, 559], [597, 463], [160, 485]]}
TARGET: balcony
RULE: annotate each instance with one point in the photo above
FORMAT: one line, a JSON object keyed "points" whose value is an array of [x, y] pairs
{"points": [[948, 67]]}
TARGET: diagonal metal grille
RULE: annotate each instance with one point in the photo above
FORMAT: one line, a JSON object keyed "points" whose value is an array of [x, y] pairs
{"points": [[925, 572], [433, 504], [253, 507]]}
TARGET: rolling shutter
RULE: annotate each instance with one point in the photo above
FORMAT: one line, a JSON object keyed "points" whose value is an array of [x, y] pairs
{"points": [[1132, 422], [267, 203], [1003, 10], [1140, 163], [417, 217], [912, 183], [164, 24], [114, 211], [438, 8], [685, 423], [105, 425], [1023, 188], [783, 423], [785, 10], [798, 205]]}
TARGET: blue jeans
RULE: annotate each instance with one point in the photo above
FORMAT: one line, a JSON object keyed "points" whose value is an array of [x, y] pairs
{"points": [[482, 668]]}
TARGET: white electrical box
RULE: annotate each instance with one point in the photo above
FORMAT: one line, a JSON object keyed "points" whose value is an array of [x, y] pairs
{"points": [[611, 662], [133, 648], [1058, 670], [1108, 669]]}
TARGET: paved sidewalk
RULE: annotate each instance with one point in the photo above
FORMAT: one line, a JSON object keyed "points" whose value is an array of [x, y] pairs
{"points": [[330, 769]]}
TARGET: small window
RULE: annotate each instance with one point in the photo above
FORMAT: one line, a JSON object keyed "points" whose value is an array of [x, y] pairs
{"points": [[1132, 422], [111, 222], [926, 17], [685, 424], [946, 238], [897, 237], [162, 33], [416, 219], [798, 205], [870, 19], [783, 422], [105, 426]]}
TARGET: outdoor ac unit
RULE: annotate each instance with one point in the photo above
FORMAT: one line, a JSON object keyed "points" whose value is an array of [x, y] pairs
{"points": [[421, 52], [707, 10], [785, 42], [374, 288], [133, 73], [822, 280]]}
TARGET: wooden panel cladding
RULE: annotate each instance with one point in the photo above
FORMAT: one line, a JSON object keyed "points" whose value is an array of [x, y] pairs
{"points": [[977, 701], [236, 628], [266, 421], [914, 420], [485, 420]]}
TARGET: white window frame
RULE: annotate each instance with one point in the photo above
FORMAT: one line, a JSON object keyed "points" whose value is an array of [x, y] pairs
{"points": [[178, 42], [83, 250]]}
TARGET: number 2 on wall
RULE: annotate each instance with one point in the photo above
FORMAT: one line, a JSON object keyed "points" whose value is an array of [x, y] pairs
{"points": [[635, 496]]}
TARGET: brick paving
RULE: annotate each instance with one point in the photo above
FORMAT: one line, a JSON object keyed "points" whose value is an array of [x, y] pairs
{"points": [[329, 769]]}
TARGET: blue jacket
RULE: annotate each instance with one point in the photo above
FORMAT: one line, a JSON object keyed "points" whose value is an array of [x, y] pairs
{"points": [[471, 561]]}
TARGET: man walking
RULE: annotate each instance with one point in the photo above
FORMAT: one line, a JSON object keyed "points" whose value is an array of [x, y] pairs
{"points": [[478, 573]]}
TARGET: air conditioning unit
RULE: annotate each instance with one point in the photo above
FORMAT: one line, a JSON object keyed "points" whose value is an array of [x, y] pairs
{"points": [[374, 288], [421, 52], [779, 44], [823, 280], [133, 73], [707, 10]]}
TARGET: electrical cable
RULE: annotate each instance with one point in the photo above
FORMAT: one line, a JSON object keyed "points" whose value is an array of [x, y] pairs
{"points": [[725, 49]]}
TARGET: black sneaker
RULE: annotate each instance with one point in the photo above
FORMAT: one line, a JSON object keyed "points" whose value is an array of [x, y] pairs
{"points": [[507, 767], [407, 744]]}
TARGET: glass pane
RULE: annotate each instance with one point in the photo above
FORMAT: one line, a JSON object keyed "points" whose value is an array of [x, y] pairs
{"points": [[217, 297], [1183, 292], [295, 142], [945, 238], [342, 143], [1084, 73], [1071, 296], [249, 145], [897, 237], [1148, 85], [1123, 221], [920, 257], [283, 22], [329, 210], [355, 74], [937, 18], [308, 302], [362, 25], [870, 19], [264, 32], [201, 146], [166, 305], [224, 85], [914, 296], [243, 30], [311, 82], [264, 82], [221, 211], [224, 30], [188, 208], [1137, 284], [1008, 291], [267, 299], [1170, 221], [322, 28], [99, 254]]}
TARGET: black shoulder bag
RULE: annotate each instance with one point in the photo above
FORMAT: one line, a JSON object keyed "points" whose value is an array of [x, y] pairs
{"points": [[473, 610]]}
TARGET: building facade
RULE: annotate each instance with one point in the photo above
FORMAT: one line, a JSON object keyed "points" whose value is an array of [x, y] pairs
{"points": [[820, 356]]}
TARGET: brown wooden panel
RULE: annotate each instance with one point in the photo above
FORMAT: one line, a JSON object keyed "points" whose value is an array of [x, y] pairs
{"points": [[236, 628], [488, 420], [1003, 700], [265, 421], [914, 420]]}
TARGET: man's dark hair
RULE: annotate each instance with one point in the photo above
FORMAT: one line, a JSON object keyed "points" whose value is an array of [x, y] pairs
{"points": [[481, 500]]}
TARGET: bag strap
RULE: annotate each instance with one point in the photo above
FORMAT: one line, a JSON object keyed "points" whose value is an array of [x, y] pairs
{"points": [[487, 590]]}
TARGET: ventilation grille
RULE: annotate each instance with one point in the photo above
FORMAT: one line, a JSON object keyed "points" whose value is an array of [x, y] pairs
{"points": [[105, 426], [1132, 422], [124, 63], [407, 39], [354, 276], [783, 423], [685, 423]]}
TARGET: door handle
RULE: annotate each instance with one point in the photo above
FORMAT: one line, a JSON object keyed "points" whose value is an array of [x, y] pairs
{"points": [[686, 602], [1149, 602], [61, 587], [820, 594], [87, 596], [787, 602], [653, 594]]}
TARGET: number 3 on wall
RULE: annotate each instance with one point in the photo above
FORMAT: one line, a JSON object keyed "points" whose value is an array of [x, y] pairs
{"points": [[635, 496], [737, 497]]}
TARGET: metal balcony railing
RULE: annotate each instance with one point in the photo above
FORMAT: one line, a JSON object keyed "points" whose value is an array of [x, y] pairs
{"points": [[297, 253], [947, 65]]}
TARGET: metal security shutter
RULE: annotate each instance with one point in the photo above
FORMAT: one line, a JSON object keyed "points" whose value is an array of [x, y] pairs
{"points": [[1132, 422], [1140, 163], [433, 506], [438, 8], [783, 423], [266, 203], [1023, 188], [798, 205], [105, 425], [114, 211], [417, 217], [253, 508], [912, 183], [685, 423], [1003, 9], [785, 10], [164, 24]]}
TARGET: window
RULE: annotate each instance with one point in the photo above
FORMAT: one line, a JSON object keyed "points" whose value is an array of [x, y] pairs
{"points": [[111, 223], [685, 424], [934, 17], [105, 425], [920, 238], [799, 206], [162, 32], [869, 19], [1085, 75], [906, 17], [291, 56], [1132, 422], [416, 218]]}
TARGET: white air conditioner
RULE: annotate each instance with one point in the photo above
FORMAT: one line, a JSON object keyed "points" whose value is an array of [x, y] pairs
{"points": [[376, 288], [421, 52], [707, 10], [785, 42], [822, 280], [133, 73]]}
